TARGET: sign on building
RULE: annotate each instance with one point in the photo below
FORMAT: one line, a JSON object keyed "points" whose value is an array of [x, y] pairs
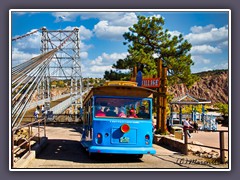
{"points": [[151, 82]]}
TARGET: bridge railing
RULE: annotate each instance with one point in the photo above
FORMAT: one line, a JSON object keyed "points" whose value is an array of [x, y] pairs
{"points": [[40, 102], [221, 142], [30, 132], [61, 107]]}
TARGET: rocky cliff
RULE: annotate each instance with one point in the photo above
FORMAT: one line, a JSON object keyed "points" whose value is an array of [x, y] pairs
{"points": [[212, 85]]}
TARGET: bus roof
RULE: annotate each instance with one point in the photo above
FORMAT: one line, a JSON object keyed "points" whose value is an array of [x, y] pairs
{"points": [[121, 90]]}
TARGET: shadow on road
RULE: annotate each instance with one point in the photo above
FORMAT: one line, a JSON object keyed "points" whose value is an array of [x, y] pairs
{"points": [[72, 151]]}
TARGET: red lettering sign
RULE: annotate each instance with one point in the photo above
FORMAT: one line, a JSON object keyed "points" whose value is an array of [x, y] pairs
{"points": [[151, 82]]}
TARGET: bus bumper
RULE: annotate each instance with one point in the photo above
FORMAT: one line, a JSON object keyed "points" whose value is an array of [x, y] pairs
{"points": [[122, 150]]}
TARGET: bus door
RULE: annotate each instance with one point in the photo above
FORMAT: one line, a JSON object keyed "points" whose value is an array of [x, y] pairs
{"points": [[87, 133]]}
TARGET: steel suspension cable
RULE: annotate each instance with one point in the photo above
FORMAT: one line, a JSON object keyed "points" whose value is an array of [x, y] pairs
{"points": [[20, 78], [30, 64], [25, 35], [35, 75], [19, 108]]}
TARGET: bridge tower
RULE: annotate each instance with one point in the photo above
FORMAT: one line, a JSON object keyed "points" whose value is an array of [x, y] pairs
{"points": [[65, 64]]}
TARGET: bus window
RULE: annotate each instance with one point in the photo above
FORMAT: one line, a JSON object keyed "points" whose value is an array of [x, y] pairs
{"points": [[122, 107]]}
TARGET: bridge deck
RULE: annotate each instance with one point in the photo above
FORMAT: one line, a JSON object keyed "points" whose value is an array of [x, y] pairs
{"points": [[29, 114]]}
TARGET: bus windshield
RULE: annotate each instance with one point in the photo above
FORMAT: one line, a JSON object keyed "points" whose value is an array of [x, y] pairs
{"points": [[122, 108]]}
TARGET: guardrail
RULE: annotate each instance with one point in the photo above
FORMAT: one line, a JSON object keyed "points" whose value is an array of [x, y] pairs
{"points": [[24, 143], [61, 107], [40, 102], [64, 118], [221, 144]]}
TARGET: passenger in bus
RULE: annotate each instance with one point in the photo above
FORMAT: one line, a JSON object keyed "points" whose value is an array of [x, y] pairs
{"points": [[122, 112], [106, 109], [111, 112], [142, 113], [132, 114], [99, 111]]}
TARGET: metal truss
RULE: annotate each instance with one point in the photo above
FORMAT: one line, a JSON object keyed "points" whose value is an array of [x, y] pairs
{"points": [[66, 62]]}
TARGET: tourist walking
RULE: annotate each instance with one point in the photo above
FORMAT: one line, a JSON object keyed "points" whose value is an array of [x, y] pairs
{"points": [[187, 125]]}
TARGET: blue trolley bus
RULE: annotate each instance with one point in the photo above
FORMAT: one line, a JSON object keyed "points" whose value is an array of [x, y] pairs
{"points": [[117, 119]]}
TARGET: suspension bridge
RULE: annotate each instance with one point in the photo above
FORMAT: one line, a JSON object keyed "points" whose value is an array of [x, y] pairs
{"points": [[59, 58]]}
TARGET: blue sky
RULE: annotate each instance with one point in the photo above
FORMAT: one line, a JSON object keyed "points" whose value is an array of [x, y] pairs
{"points": [[101, 40]]}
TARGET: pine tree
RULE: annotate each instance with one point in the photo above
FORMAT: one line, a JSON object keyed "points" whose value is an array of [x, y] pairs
{"points": [[148, 42]]}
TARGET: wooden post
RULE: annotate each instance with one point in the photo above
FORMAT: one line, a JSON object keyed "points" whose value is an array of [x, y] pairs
{"points": [[134, 75], [12, 148], [222, 153], [39, 132], [164, 101], [185, 141], [45, 122], [159, 103]]}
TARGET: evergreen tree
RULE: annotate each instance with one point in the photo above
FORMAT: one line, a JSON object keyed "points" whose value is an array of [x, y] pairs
{"points": [[148, 42]]}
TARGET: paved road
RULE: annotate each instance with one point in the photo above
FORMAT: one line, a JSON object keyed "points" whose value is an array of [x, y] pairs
{"points": [[64, 151]]}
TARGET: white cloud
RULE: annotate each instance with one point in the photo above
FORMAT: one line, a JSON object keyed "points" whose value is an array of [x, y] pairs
{"points": [[26, 48], [114, 56], [221, 66], [111, 25], [200, 60], [19, 57], [114, 18], [65, 16], [201, 29], [85, 33], [206, 35], [205, 49], [175, 33], [195, 69], [23, 13], [106, 31], [29, 42], [223, 44], [156, 16], [83, 55], [100, 69], [108, 59], [125, 19], [208, 40], [104, 62], [85, 47], [97, 61]]}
